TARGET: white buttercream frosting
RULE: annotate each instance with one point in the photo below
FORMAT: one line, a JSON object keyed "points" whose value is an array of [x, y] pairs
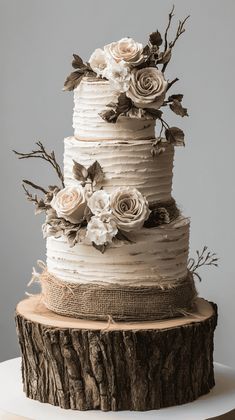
{"points": [[90, 98], [157, 256], [125, 163]]}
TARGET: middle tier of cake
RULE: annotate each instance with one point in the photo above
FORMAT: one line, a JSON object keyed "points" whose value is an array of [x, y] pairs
{"points": [[125, 164]]}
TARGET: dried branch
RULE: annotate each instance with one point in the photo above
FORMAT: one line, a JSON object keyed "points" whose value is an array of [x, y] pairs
{"points": [[36, 187], [164, 123], [162, 127], [172, 83], [170, 16], [180, 31], [41, 153], [205, 258], [29, 196], [40, 203]]}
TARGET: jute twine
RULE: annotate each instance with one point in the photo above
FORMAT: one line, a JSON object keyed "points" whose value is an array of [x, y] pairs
{"points": [[114, 301]]}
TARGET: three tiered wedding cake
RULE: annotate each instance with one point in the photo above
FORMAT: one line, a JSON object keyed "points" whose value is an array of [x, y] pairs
{"points": [[130, 331], [142, 272]]}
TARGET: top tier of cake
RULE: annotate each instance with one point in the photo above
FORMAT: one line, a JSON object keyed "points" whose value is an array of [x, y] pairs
{"points": [[92, 97]]}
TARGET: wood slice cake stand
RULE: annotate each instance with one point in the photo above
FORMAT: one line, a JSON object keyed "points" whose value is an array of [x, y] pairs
{"points": [[83, 365]]}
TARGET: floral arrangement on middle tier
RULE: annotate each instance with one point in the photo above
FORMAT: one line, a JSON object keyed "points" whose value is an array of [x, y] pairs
{"points": [[85, 212]]}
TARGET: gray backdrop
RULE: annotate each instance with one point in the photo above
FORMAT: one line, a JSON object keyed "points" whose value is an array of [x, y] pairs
{"points": [[37, 41]]}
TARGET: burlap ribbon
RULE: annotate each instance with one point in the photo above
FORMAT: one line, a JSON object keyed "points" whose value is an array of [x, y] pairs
{"points": [[120, 303]]}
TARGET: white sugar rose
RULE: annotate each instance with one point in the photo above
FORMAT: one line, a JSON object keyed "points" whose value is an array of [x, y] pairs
{"points": [[147, 88], [127, 50], [118, 75], [99, 202], [129, 208], [98, 61], [70, 203], [101, 229]]}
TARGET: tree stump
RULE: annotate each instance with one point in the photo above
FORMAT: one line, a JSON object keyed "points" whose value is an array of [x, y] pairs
{"points": [[84, 365]]}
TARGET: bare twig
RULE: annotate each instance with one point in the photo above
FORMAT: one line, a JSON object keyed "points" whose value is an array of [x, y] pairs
{"points": [[41, 153], [162, 126], [203, 259], [172, 83], [179, 32], [30, 197], [39, 203], [164, 123], [36, 187], [170, 16]]}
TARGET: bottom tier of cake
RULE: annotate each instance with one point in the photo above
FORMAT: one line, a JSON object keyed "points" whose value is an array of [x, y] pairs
{"points": [[84, 365]]}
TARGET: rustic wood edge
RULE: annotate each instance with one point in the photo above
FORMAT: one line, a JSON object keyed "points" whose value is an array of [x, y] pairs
{"points": [[114, 370]]}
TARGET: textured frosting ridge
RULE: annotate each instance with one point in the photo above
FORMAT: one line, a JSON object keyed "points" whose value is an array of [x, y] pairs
{"points": [[90, 98], [125, 163], [158, 256]]}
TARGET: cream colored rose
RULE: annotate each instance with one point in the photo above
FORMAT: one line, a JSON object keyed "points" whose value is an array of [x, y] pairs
{"points": [[101, 229], [99, 202], [118, 75], [147, 88], [98, 61], [129, 208], [127, 50], [70, 203]]}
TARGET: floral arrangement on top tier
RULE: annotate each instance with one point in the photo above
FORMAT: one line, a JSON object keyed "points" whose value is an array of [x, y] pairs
{"points": [[137, 74]]}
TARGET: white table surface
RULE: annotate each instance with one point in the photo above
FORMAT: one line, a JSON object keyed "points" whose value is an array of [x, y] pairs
{"points": [[12, 399]]}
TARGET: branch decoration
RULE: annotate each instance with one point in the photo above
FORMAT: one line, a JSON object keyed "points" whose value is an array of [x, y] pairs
{"points": [[202, 259], [41, 153]]}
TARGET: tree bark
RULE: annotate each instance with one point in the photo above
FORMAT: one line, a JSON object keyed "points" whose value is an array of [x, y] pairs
{"points": [[121, 366]]}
